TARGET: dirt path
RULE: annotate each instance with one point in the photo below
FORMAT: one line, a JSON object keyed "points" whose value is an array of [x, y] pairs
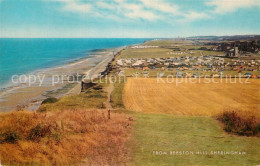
{"points": [[109, 90], [201, 53]]}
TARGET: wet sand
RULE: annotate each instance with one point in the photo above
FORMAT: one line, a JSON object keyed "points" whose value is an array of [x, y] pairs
{"points": [[30, 97]]}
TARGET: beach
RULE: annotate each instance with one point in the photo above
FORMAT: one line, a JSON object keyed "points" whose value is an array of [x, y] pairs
{"points": [[58, 82]]}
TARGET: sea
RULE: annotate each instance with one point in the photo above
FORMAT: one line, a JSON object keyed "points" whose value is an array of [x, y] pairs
{"points": [[24, 55]]}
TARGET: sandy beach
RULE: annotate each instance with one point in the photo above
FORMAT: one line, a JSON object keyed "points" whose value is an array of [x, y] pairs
{"points": [[30, 96]]}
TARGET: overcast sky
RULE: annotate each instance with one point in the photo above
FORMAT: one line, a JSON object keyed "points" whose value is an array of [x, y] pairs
{"points": [[128, 18]]}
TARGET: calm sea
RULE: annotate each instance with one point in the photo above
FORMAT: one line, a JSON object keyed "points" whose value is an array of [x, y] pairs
{"points": [[22, 56]]}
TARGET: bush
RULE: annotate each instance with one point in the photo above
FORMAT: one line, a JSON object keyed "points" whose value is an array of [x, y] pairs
{"points": [[39, 132], [9, 137], [50, 100], [234, 123], [258, 128]]}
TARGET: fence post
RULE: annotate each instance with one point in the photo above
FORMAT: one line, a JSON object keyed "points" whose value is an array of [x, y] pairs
{"points": [[108, 112]]}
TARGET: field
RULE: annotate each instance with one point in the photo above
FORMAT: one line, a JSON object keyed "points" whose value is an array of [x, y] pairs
{"points": [[146, 53], [167, 42], [209, 99], [163, 52], [177, 119], [166, 133]]}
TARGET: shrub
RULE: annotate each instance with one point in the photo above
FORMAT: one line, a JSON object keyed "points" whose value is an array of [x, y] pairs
{"points": [[235, 123], [39, 131], [9, 137], [258, 128], [50, 100]]}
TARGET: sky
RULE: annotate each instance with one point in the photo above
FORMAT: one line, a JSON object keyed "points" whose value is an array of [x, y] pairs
{"points": [[127, 18]]}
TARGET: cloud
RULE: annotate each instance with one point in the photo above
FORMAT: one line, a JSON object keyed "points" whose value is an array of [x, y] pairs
{"points": [[192, 15], [126, 9], [139, 13], [75, 6], [150, 10], [228, 6], [105, 5], [174, 10], [161, 6], [134, 11]]}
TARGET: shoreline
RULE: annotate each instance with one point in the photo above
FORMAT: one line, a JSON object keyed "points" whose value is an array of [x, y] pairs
{"points": [[31, 97]]}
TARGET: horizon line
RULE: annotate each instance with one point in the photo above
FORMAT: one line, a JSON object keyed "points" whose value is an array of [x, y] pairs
{"points": [[127, 37]]}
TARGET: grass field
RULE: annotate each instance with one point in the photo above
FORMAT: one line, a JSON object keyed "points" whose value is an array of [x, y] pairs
{"points": [[162, 53], [146, 53], [167, 42], [165, 133], [208, 99]]}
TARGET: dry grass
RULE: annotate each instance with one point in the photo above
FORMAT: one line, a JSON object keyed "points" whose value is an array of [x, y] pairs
{"points": [[204, 99], [64, 138]]}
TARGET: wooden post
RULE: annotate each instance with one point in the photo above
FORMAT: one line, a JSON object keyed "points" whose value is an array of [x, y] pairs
{"points": [[62, 126], [82, 86], [108, 113]]}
